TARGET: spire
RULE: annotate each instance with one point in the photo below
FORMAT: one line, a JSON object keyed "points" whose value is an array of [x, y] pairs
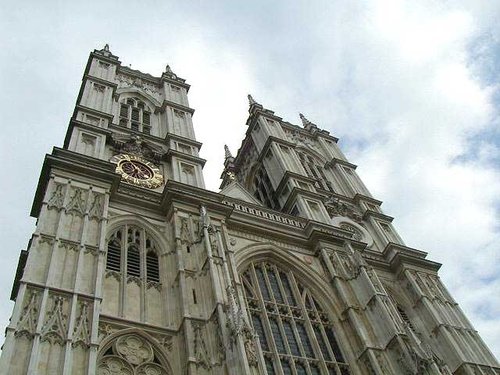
{"points": [[306, 123], [227, 152]]}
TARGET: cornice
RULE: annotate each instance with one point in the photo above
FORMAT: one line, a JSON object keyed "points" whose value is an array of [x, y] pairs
{"points": [[175, 82], [336, 161], [365, 198], [268, 143], [286, 177], [181, 155], [178, 106], [112, 59], [101, 81], [296, 191], [83, 125], [189, 141], [138, 74], [80, 107], [318, 133], [378, 215], [399, 256], [123, 130]]}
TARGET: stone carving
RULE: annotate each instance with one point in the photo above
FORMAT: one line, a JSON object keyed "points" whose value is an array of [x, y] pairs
{"points": [[356, 234], [91, 250], [134, 349], [56, 200], [134, 279], [235, 320], [214, 243], [153, 284], [98, 87], [81, 335], [305, 122], [54, 329], [69, 245], [336, 207], [200, 347], [115, 274], [112, 365], [127, 81], [250, 348], [185, 232], [49, 240], [96, 208], [76, 204], [27, 323], [150, 369], [105, 330], [166, 342], [136, 145]]}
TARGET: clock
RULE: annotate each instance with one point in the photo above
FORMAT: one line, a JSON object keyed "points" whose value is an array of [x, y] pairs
{"points": [[135, 170]]}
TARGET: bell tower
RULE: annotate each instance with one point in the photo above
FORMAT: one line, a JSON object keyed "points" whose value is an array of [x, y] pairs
{"points": [[291, 269]]}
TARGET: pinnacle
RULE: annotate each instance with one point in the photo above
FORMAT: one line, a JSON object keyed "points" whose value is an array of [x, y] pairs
{"points": [[227, 152]]}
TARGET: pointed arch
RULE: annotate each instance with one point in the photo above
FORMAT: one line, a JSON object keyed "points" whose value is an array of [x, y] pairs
{"points": [[154, 103], [314, 153], [292, 309], [118, 221], [153, 354], [267, 251]]}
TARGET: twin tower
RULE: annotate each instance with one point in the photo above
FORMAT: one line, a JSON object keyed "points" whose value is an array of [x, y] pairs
{"points": [[291, 269]]}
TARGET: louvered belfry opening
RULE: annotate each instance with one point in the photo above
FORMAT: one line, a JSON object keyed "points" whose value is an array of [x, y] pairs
{"points": [[139, 250]]}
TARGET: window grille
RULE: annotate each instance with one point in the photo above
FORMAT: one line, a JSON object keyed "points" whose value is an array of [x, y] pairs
{"points": [[284, 313]]}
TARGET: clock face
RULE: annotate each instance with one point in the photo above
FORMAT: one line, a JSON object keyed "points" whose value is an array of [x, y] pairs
{"points": [[137, 171]]}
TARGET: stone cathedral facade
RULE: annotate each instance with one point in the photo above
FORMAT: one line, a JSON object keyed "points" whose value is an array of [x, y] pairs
{"points": [[292, 268]]}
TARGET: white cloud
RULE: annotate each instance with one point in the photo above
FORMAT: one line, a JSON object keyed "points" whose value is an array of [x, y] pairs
{"points": [[394, 79]]}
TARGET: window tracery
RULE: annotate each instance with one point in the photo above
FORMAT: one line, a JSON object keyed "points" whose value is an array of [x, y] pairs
{"points": [[295, 333], [130, 354], [133, 252], [136, 115]]}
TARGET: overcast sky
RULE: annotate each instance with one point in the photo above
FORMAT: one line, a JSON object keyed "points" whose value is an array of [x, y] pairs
{"points": [[410, 88]]}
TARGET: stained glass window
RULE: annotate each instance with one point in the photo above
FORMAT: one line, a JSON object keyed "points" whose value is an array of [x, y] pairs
{"points": [[286, 314]]}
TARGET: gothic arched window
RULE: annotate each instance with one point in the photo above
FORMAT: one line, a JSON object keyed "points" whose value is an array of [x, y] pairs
{"points": [[295, 333], [136, 115], [263, 189], [315, 170], [136, 246]]}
